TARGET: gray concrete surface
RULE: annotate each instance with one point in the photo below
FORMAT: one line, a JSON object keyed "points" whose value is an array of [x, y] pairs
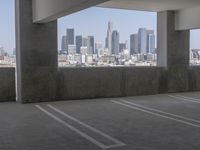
{"points": [[138, 128], [7, 84]]}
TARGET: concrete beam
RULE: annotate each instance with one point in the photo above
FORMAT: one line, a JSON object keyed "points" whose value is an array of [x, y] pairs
{"points": [[187, 18], [49, 10]]}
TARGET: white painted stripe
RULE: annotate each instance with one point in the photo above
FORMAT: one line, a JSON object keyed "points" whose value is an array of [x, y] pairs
{"points": [[84, 135], [163, 112], [186, 97], [118, 143], [183, 99], [156, 114]]}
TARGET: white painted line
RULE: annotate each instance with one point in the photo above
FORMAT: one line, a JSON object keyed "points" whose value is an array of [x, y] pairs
{"points": [[163, 112], [191, 98], [156, 114], [183, 99], [84, 135], [118, 143]]}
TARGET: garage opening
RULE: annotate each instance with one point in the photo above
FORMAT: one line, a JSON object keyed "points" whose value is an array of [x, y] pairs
{"points": [[195, 47], [107, 37], [7, 33]]}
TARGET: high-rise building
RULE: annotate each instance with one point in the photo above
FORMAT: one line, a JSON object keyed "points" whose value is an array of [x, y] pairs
{"points": [[64, 43], [150, 41], [98, 46], [70, 36], [79, 40], [142, 40], [84, 41], [134, 44], [115, 42], [109, 38], [2, 51], [14, 51], [90, 44], [122, 46]]}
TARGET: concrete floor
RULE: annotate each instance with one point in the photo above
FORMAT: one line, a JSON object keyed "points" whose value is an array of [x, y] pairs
{"points": [[158, 122]]}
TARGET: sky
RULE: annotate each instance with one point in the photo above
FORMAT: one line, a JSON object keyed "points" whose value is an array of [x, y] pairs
{"points": [[92, 21]]}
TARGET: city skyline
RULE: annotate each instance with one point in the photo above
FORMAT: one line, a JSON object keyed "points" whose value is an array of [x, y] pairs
{"points": [[143, 41], [87, 20]]}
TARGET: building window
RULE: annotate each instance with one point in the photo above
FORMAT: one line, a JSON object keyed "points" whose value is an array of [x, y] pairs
{"points": [[107, 37]]}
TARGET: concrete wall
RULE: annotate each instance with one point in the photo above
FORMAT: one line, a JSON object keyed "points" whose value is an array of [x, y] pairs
{"points": [[7, 84], [81, 83], [84, 83]]}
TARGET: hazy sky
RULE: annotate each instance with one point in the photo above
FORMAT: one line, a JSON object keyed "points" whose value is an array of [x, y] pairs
{"points": [[92, 21]]}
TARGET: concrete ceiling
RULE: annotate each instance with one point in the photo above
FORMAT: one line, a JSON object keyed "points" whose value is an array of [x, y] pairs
{"points": [[151, 5]]}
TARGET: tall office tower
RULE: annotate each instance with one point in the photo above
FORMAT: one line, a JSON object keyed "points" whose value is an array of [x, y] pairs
{"points": [[109, 38], [64, 43], [115, 42], [134, 44], [98, 46], [122, 46], [78, 44], [142, 40], [84, 41], [150, 41], [2, 51], [14, 51], [70, 36], [90, 44]]}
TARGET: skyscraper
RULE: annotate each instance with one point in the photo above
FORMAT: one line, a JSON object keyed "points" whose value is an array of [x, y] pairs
{"points": [[90, 44], [70, 36], [122, 46], [64, 43], [115, 42], [134, 44], [84, 41], [150, 41], [2, 51], [78, 44], [109, 38], [98, 46], [142, 40]]}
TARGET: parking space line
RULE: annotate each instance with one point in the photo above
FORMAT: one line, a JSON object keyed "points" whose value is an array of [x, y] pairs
{"points": [[163, 112], [156, 114], [84, 135], [186, 97], [118, 143], [183, 98]]}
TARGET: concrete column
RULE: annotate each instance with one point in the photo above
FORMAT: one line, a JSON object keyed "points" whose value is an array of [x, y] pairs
{"points": [[173, 51], [36, 56]]}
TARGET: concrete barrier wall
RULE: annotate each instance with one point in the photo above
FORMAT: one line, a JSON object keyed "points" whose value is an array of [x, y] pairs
{"points": [[7, 84], [101, 82], [194, 78], [81, 83]]}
